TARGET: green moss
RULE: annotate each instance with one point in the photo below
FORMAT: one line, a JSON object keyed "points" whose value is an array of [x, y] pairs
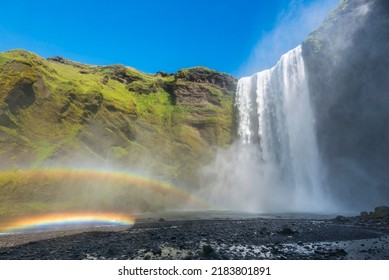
{"points": [[14, 133], [119, 152], [44, 150], [3, 60], [106, 115]]}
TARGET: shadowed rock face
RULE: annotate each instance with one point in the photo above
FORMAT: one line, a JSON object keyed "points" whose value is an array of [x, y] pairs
{"points": [[197, 85], [21, 96], [205, 75], [347, 65]]}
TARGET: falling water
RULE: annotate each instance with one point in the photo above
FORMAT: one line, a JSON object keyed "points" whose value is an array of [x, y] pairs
{"points": [[275, 165], [275, 116]]}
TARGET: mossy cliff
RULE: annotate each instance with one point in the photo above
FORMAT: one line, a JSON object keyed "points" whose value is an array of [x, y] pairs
{"points": [[56, 112]]}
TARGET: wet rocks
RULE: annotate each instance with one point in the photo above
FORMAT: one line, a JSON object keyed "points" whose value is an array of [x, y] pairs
{"points": [[156, 251], [381, 212], [207, 250], [286, 231], [378, 217], [203, 239], [338, 253], [341, 219]]}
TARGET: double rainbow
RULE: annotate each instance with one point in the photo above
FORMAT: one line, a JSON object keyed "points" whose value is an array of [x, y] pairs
{"points": [[67, 220], [99, 175]]}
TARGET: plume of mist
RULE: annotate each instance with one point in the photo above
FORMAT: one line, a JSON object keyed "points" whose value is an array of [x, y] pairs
{"points": [[238, 180], [107, 192], [292, 27]]}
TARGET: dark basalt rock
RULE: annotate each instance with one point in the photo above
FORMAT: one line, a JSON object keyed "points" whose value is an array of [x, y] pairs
{"points": [[338, 253], [59, 59], [22, 96], [193, 93], [381, 212], [205, 75], [207, 250], [5, 119], [119, 73], [346, 61], [341, 219], [163, 74], [201, 239], [62, 60], [286, 231]]}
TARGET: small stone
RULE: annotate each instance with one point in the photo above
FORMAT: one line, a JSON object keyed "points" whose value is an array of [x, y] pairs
{"points": [[286, 231], [207, 250], [341, 219], [338, 253], [156, 251], [364, 214]]}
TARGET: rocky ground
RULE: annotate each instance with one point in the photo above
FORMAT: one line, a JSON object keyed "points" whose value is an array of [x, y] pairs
{"points": [[359, 237]]}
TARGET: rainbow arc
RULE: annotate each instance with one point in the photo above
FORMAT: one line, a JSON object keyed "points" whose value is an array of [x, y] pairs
{"points": [[67, 220]]}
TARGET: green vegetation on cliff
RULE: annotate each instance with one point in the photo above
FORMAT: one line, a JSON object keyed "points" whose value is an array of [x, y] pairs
{"points": [[56, 112]]}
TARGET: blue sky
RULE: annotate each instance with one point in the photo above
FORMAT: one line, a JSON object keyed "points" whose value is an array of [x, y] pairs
{"points": [[239, 37]]}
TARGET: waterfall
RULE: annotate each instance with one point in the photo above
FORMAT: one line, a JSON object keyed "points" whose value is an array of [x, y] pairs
{"points": [[275, 164], [275, 115]]}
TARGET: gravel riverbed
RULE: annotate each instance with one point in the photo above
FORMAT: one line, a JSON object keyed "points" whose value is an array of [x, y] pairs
{"points": [[210, 238]]}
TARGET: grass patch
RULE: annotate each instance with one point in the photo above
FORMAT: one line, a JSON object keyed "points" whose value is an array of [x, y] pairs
{"points": [[112, 115]]}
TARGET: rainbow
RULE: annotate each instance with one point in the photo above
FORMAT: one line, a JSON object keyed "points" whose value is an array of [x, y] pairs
{"points": [[100, 175], [64, 220]]}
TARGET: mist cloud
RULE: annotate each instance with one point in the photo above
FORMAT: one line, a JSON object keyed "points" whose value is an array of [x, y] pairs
{"points": [[293, 26]]}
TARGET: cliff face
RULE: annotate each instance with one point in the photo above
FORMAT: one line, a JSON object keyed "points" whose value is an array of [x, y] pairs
{"points": [[57, 112], [347, 63]]}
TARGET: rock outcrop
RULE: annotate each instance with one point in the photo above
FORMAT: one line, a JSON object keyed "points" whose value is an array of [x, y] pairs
{"points": [[347, 63]]}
